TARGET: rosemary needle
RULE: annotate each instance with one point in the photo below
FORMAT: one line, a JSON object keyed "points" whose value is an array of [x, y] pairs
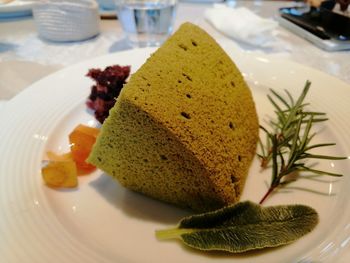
{"points": [[289, 141]]}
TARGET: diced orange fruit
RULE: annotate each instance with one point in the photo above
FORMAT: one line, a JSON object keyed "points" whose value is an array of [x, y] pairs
{"points": [[59, 157], [87, 130], [62, 170], [60, 173], [81, 139]]}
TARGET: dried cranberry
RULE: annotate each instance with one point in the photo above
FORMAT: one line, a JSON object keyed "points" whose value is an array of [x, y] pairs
{"points": [[104, 93]]}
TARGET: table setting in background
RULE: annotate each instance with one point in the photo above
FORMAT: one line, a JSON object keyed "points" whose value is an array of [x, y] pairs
{"points": [[53, 51], [21, 40]]}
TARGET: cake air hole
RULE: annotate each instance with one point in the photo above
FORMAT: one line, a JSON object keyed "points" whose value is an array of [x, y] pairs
{"points": [[183, 47], [187, 77], [194, 43], [231, 125], [233, 179], [185, 115], [188, 96], [110, 145], [163, 157]]}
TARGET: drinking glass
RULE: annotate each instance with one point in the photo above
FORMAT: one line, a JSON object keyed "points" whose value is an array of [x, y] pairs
{"points": [[146, 22]]}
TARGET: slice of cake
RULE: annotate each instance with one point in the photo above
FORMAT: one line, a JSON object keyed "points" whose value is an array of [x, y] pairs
{"points": [[184, 128]]}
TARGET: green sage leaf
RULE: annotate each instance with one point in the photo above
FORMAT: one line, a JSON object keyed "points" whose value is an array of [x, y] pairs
{"points": [[244, 226]]}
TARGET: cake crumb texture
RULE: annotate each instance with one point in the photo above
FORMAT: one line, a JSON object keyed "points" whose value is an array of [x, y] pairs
{"points": [[184, 128]]}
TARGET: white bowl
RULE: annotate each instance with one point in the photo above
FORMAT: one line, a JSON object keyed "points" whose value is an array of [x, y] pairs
{"points": [[64, 20]]}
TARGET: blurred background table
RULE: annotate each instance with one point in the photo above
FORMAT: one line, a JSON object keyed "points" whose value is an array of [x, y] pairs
{"points": [[25, 58]]}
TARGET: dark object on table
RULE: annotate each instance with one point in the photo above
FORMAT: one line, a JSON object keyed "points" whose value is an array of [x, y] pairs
{"points": [[328, 4], [326, 29], [344, 4], [109, 83]]}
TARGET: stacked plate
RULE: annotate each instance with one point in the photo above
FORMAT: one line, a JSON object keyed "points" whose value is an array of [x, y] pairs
{"points": [[17, 8]]}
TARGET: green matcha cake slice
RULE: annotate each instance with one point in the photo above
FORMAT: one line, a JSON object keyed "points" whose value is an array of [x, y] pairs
{"points": [[184, 128]]}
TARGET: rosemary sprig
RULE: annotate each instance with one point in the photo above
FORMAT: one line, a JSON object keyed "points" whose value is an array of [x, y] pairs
{"points": [[287, 145]]}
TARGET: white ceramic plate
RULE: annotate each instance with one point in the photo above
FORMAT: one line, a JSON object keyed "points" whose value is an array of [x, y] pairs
{"points": [[16, 8], [102, 222]]}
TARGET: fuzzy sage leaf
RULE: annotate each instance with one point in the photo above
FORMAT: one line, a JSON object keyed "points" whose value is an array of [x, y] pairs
{"points": [[244, 226]]}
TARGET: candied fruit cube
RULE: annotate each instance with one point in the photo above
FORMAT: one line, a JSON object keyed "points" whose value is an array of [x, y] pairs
{"points": [[81, 139], [60, 173]]}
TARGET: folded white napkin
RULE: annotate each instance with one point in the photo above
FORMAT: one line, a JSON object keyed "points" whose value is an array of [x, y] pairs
{"points": [[2, 104], [242, 24]]}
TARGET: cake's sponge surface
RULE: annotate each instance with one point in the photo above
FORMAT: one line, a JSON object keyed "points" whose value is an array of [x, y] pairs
{"points": [[184, 128]]}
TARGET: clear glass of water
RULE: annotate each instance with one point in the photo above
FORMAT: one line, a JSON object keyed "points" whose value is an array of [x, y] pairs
{"points": [[146, 22]]}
